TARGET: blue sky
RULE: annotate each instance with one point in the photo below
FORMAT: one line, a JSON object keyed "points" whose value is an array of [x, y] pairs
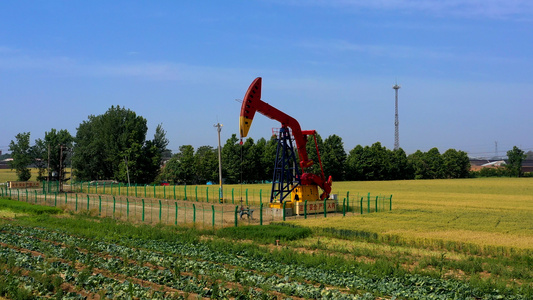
{"points": [[465, 67]]}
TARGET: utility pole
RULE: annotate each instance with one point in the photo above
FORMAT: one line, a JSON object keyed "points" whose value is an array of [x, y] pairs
{"points": [[60, 178], [396, 87], [48, 169], [221, 194]]}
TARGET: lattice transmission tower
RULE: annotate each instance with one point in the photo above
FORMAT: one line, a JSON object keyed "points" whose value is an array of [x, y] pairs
{"points": [[396, 87]]}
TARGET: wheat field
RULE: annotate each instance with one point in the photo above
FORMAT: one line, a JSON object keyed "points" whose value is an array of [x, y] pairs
{"points": [[483, 211]]}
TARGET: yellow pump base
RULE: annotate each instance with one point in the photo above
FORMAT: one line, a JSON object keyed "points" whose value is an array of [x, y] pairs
{"points": [[297, 204]]}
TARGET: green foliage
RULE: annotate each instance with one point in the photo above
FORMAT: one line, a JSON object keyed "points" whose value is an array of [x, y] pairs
{"points": [[433, 165], [22, 158], [206, 164], [23, 207], [231, 160], [113, 145], [516, 156], [39, 152], [60, 143], [334, 157], [456, 164], [210, 267], [311, 152], [377, 163], [265, 234]]}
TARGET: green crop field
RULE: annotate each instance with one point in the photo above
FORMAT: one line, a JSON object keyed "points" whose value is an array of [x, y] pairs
{"points": [[443, 239]]}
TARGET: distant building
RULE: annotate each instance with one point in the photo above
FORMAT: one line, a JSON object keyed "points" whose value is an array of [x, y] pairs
{"points": [[478, 164]]}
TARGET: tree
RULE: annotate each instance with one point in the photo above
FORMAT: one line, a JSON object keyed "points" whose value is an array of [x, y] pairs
{"points": [[268, 158], [39, 153], [261, 147], [399, 164], [21, 154], [107, 143], [186, 168], [251, 162], [312, 153], [206, 164], [334, 157], [231, 160], [59, 143], [456, 164], [354, 166], [160, 141], [420, 167], [515, 158]]}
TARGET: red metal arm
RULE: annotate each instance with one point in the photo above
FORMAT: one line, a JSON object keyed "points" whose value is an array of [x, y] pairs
{"points": [[252, 102]]}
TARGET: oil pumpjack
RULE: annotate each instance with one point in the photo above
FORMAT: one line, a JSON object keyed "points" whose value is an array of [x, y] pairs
{"points": [[292, 186]]}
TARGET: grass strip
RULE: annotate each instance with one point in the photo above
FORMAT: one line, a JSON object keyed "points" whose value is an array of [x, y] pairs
{"points": [[23, 207]]}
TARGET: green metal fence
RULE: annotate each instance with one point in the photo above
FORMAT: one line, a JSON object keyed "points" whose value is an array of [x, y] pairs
{"points": [[197, 205]]}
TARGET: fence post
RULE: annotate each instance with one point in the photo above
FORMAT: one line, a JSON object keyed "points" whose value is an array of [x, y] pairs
{"points": [[236, 212], [207, 194], [127, 209], [377, 203], [246, 196], [145, 190], [325, 209], [55, 198], [119, 184], [176, 205], [88, 202], [232, 196], [159, 211], [185, 190], [213, 208], [143, 210], [260, 196], [99, 205], [154, 190], [111, 187], [344, 208], [347, 198], [174, 192], [114, 206], [368, 203], [164, 192], [104, 188], [194, 213], [348, 205], [305, 209], [361, 205], [136, 190], [390, 202], [76, 201], [261, 214]]}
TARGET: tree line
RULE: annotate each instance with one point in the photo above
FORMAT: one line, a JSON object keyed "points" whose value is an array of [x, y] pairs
{"points": [[108, 146], [113, 146], [254, 162]]}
